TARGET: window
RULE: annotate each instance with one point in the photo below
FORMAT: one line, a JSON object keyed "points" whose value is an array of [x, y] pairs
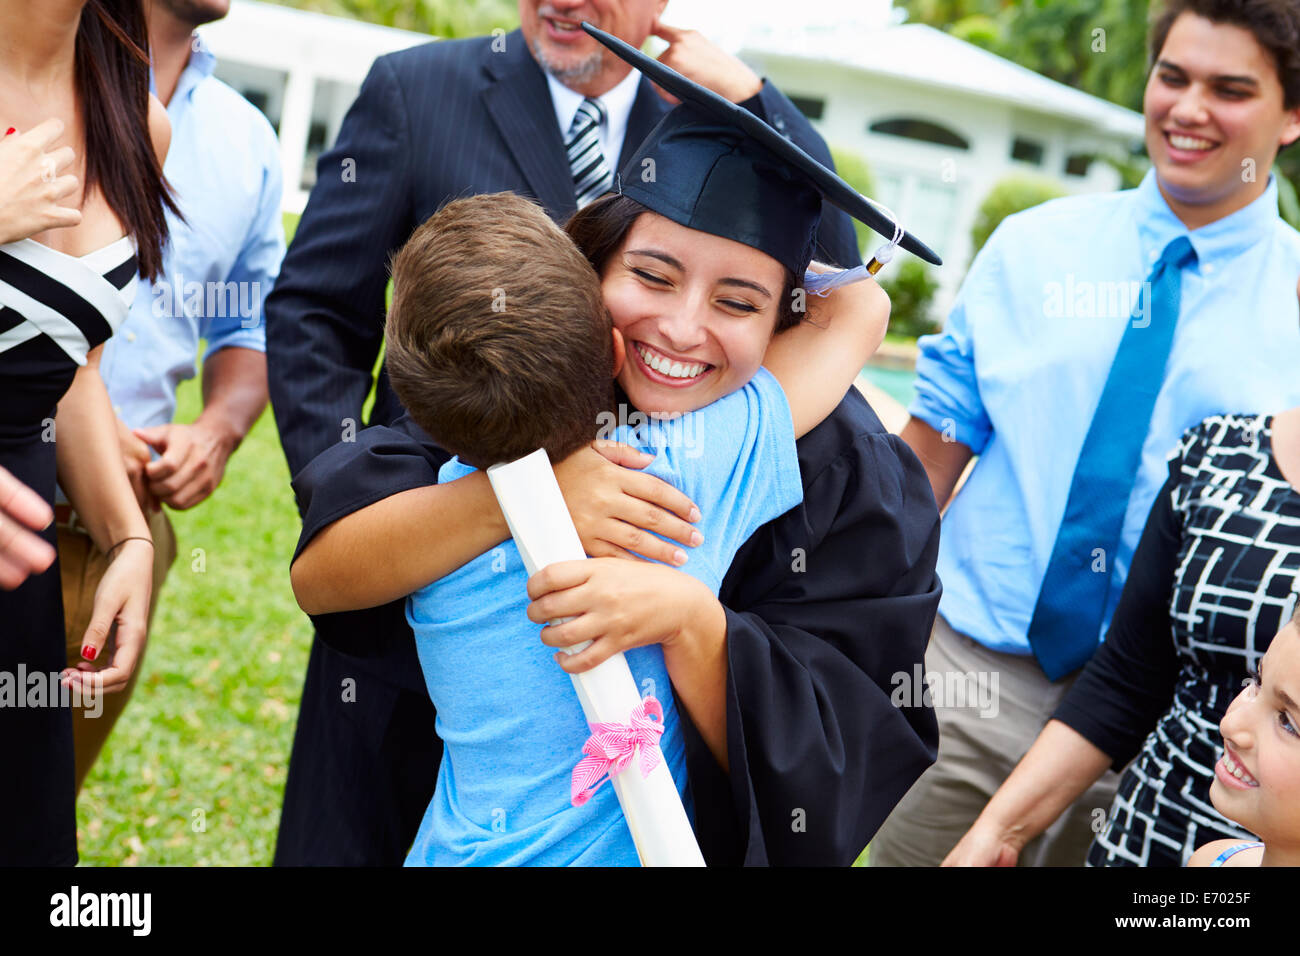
{"points": [[330, 100], [926, 207], [922, 130], [1078, 164], [1027, 151], [258, 98], [262, 87], [931, 212], [810, 106]]}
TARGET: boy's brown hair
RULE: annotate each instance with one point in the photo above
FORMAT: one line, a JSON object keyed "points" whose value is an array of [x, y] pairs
{"points": [[498, 341], [1275, 25]]}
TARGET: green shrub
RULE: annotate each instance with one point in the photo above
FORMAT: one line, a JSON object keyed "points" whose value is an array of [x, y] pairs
{"points": [[1010, 195], [911, 290], [1287, 201], [853, 169]]}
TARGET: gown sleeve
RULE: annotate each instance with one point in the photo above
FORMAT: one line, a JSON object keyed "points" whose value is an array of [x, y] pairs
{"points": [[825, 606], [383, 461], [1128, 685]]}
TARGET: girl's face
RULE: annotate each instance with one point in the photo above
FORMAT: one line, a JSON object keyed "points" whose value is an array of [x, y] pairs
{"points": [[696, 312], [1257, 781]]}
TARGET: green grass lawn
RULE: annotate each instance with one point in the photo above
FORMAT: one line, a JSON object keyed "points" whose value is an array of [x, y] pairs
{"points": [[194, 771]]}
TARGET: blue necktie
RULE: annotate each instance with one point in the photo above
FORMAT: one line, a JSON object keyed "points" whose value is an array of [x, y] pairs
{"points": [[1076, 587]]}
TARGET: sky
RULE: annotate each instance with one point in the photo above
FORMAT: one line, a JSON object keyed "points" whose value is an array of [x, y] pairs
{"points": [[727, 21]]}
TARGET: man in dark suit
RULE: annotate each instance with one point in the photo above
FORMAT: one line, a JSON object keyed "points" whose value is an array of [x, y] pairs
{"points": [[431, 123]]}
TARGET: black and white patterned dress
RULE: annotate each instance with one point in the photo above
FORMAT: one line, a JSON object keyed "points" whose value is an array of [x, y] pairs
{"points": [[1225, 532], [54, 308]]}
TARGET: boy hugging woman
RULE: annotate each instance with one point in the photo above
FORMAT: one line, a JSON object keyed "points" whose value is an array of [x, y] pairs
{"points": [[500, 342]]}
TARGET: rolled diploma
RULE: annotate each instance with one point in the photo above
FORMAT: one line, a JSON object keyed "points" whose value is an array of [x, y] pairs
{"points": [[539, 521]]}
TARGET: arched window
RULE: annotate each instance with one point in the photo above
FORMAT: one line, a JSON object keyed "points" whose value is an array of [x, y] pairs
{"points": [[922, 130]]}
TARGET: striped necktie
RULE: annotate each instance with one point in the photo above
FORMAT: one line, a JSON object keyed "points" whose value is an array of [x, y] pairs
{"points": [[1076, 588], [591, 174]]}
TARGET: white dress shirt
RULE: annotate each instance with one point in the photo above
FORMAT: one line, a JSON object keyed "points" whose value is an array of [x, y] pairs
{"points": [[618, 106]]}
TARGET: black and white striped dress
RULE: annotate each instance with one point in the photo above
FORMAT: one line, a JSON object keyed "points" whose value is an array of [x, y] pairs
{"points": [[1215, 577], [54, 308]]}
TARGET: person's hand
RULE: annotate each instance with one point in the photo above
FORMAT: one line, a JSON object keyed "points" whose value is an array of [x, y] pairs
{"points": [[135, 455], [695, 57], [31, 188], [617, 604], [192, 464], [21, 552], [121, 599], [615, 507], [983, 845]]}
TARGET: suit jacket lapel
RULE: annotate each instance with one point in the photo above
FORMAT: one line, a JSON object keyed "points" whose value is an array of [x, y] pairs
{"points": [[647, 110], [519, 103]]}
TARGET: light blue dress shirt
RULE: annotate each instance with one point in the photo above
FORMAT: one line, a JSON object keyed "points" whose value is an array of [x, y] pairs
{"points": [[224, 165], [1019, 369]]}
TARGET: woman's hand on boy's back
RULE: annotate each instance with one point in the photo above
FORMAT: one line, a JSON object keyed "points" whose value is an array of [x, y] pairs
{"points": [[614, 506], [618, 605]]}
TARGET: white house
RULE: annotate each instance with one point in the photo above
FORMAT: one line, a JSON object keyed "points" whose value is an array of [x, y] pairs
{"points": [[303, 70], [938, 120]]}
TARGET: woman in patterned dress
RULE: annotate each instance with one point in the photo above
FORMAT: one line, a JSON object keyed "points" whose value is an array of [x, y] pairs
{"points": [[1214, 578], [82, 201]]}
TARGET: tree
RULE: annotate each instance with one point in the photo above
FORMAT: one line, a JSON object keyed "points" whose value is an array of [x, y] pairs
{"points": [[853, 169], [1098, 46], [1093, 45], [442, 18]]}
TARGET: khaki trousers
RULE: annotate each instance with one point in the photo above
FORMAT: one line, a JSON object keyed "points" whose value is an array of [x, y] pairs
{"points": [[81, 567], [982, 737]]}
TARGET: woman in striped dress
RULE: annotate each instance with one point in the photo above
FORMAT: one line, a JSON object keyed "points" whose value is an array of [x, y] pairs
{"points": [[82, 200]]}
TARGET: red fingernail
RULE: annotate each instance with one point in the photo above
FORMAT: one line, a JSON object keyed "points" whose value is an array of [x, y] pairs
{"points": [[10, 130], [89, 652]]}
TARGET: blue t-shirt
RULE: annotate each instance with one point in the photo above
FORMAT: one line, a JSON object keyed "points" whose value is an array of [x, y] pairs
{"points": [[508, 716]]}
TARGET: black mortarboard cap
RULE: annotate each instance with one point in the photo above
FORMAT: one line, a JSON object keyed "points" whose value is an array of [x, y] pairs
{"points": [[719, 168]]}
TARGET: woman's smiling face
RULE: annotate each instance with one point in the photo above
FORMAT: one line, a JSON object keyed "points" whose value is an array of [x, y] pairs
{"points": [[696, 312], [1257, 781]]}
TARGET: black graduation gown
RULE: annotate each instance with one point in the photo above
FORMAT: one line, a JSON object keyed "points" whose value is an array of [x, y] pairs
{"points": [[829, 607]]}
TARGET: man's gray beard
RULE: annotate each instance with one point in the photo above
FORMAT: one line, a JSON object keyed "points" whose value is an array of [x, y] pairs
{"points": [[195, 13], [578, 73]]}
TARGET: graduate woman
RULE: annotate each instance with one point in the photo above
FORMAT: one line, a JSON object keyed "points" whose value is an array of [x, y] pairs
{"points": [[822, 609]]}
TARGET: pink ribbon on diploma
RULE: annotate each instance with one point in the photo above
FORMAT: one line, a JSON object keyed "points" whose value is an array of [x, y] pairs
{"points": [[611, 746]]}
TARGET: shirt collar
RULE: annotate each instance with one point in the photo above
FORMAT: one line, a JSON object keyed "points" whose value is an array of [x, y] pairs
{"points": [[617, 102], [200, 66], [1218, 242]]}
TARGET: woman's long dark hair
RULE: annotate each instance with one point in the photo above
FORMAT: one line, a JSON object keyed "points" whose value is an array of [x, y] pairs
{"points": [[112, 80]]}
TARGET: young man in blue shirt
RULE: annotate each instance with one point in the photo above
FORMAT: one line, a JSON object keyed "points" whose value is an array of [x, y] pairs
{"points": [[1088, 335]]}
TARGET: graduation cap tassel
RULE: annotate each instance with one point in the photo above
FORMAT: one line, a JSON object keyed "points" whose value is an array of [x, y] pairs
{"points": [[824, 283]]}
